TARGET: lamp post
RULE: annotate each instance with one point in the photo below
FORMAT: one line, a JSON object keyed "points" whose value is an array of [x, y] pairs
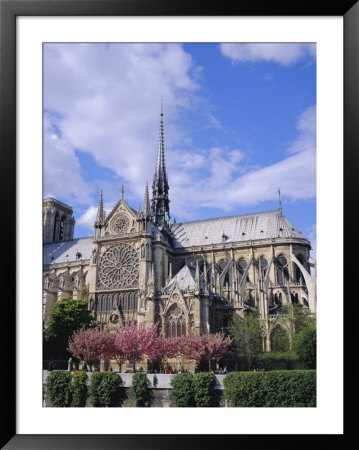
{"points": [[133, 359]]}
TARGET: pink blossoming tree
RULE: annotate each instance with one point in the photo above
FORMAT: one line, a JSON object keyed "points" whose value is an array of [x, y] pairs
{"points": [[91, 345], [207, 347], [134, 342]]}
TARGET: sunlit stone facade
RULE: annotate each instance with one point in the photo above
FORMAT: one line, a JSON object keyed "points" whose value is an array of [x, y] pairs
{"points": [[185, 276]]}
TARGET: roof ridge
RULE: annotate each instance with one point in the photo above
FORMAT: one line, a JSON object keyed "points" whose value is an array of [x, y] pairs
{"points": [[231, 217]]}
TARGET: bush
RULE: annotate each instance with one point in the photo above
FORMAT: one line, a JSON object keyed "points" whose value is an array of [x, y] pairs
{"points": [[279, 361], [244, 388], [78, 389], [203, 389], [294, 388], [58, 388], [104, 389], [305, 345], [183, 390], [139, 388]]}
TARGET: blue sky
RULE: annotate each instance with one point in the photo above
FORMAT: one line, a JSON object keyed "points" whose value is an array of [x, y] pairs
{"points": [[239, 123]]}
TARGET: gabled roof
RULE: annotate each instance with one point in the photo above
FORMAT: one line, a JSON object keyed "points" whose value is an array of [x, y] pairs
{"points": [[185, 279], [116, 207], [65, 251], [240, 228]]}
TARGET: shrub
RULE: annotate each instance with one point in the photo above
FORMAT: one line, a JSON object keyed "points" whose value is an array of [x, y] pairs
{"points": [[58, 388], [294, 388], [279, 361], [104, 389], [244, 388], [139, 388], [203, 384], [183, 390], [78, 389], [305, 345]]}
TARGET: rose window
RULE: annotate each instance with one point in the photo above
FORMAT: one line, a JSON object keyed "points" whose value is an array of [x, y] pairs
{"points": [[119, 266], [120, 223]]}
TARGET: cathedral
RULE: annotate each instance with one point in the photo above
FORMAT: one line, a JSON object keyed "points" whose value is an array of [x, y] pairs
{"points": [[139, 266]]}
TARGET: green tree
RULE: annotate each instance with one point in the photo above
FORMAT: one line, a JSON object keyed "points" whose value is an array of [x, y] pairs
{"points": [[305, 345], [296, 315], [68, 315], [247, 336]]}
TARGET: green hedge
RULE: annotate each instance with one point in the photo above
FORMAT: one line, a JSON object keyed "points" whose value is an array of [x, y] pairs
{"points": [[203, 384], [58, 388], [183, 390], [104, 389], [139, 388], [279, 361], [285, 388], [78, 389]]}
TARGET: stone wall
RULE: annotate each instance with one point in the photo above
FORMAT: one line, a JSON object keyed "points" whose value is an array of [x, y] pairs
{"points": [[160, 395]]}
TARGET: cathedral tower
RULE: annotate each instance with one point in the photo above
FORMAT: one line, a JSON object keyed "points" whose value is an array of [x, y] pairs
{"points": [[58, 221], [160, 188]]}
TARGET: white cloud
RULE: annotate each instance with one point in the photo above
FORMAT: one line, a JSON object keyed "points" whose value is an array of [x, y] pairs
{"points": [[62, 170], [88, 218], [224, 181], [102, 100], [284, 54]]}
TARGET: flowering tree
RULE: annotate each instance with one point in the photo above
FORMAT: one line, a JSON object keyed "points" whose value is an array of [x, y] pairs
{"points": [[208, 347], [164, 348], [91, 346], [191, 346], [215, 346], [134, 342]]}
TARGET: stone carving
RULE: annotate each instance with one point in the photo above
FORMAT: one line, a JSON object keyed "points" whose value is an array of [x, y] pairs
{"points": [[114, 318], [119, 266], [120, 223]]}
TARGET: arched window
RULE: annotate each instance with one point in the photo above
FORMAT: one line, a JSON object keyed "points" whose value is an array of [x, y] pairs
{"points": [[61, 229], [263, 266], [282, 270], [221, 266], [294, 298], [143, 251], [56, 227], [279, 340], [278, 299], [176, 323], [298, 272], [241, 267]]}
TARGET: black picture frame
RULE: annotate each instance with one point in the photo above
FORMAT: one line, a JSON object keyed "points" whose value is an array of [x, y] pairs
{"points": [[9, 10]]}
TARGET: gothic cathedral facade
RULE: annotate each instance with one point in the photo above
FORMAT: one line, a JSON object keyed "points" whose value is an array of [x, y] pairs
{"points": [[138, 266]]}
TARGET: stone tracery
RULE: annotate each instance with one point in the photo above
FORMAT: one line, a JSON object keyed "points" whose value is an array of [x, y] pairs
{"points": [[119, 267]]}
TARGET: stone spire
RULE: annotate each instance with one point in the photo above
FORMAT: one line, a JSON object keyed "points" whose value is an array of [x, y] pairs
{"points": [[160, 201], [100, 218], [146, 202]]}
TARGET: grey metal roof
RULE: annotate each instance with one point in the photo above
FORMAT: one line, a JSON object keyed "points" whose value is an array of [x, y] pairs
{"points": [[185, 279], [240, 228], [65, 251]]}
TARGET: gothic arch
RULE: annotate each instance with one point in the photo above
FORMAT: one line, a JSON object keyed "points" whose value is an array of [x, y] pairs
{"points": [[296, 269], [262, 265], [242, 265], [224, 272], [280, 337], [282, 271], [175, 321]]}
